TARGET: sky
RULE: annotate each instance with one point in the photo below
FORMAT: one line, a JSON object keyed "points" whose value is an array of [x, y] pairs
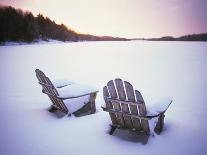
{"points": [[123, 18]]}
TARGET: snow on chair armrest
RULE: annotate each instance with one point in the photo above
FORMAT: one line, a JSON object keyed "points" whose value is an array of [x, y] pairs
{"points": [[59, 83], [160, 107], [75, 90]]}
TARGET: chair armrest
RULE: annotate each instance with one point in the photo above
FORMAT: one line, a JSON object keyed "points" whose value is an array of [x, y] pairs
{"points": [[159, 107], [59, 83]]}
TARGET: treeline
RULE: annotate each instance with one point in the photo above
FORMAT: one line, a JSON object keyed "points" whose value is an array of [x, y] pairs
{"points": [[192, 37], [18, 25]]}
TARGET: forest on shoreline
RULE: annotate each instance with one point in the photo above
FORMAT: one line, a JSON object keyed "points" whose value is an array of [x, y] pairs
{"points": [[17, 25], [190, 37]]}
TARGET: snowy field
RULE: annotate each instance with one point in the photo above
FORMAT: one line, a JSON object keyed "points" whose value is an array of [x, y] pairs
{"points": [[156, 69]]}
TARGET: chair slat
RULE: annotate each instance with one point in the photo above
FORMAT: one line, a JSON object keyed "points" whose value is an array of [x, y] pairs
{"points": [[105, 92], [53, 91], [134, 110], [142, 111], [120, 89], [136, 121], [112, 89], [129, 91], [124, 107], [120, 119], [109, 105], [127, 119]]}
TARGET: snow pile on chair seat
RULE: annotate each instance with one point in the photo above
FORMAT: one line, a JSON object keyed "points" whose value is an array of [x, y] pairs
{"points": [[61, 83], [75, 90], [75, 104], [74, 94]]}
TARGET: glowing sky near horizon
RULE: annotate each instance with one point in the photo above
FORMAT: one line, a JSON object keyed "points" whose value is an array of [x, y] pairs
{"points": [[123, 18]]}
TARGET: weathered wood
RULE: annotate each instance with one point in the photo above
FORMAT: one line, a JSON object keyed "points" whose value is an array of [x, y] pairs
{"points": [[113, 128], [52, 108], [48, 89], [133, 108], [133, 130], [129, 91], [139, 97], [85, 110], [109, 105], [41, 75], [119, 116], [122, 96], [142, 111], [128, 114], [53, 91], [112, 89], [127, 119], [60, 104], [116, 105], [120, 89], [126, 102], [136, 121], [92, 102], [159, 126], [105, 92]]}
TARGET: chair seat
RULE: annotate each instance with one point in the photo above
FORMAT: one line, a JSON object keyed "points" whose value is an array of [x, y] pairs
{"points": [[75, 90]]}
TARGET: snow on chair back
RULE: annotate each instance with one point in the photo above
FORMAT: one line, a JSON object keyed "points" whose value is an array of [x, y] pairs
{"points": [[49, 89], [124, 109]]}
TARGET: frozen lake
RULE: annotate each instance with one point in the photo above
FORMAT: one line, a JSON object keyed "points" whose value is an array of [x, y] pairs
{"points": [[156, 69]]}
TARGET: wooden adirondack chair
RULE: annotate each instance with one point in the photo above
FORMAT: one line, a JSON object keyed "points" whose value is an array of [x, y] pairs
{"points": [[57, 95], [127, 108]]}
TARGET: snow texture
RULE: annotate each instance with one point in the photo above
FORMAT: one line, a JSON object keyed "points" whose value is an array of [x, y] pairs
{"points": [[158, 107], [75, 90], [75, 104], [79, 95], [156, 69], [58, 83]]}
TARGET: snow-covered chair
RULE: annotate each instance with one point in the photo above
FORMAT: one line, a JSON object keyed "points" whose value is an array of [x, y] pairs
{"points": [[67, 96], [127, 108]]}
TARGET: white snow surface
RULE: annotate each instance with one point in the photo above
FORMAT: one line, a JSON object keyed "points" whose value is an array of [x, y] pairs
{"points": [[75, 104], [156, 69], [79, 95], [160, 106], [75, 90], [58, 83]]}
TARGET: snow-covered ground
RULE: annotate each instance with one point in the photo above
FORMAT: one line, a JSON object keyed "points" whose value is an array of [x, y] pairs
{"points": [[156, 69]]}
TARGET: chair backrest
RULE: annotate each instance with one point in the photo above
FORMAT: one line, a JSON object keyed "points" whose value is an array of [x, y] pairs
{"points": [[125, 103], [49, 89]]}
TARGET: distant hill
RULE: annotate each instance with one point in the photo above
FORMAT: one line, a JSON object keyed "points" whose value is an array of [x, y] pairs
{"points": [[18, 25], [191, 37]]}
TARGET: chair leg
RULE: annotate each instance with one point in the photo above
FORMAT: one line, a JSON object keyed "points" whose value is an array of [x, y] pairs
{"points": [[52, 109], [159, 126], [92, 102], [93, 108], [113, 128]]}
